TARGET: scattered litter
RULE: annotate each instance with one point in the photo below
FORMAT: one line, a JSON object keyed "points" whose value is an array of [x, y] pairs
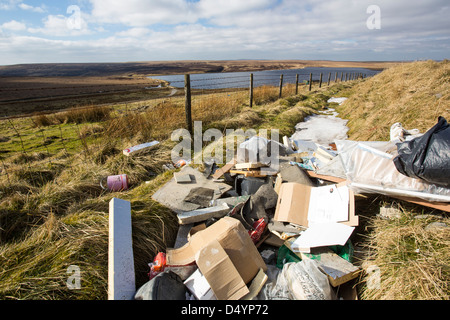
{"points": [[165, 286], [400, 134], [370, 169], [321, 129], [268, 256], [427, 157], [203, 214], [173, 194], [115, 183], [181, 163], [322, 235], [249, 231], [199, 286], [139, 149], [299, 203], [183, 178], [258, 228], [158, 265], [200, 195], [339, 101], [301, 280]]}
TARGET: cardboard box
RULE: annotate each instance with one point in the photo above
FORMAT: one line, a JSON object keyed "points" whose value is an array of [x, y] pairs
{"points": [[233, 238], [294, 203], [221, 274]]}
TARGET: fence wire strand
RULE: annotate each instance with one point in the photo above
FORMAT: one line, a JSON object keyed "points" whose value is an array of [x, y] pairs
{"points": [[72, 133]]}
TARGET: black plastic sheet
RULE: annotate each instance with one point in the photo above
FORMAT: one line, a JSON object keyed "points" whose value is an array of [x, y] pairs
{"points": [[427, 157]]}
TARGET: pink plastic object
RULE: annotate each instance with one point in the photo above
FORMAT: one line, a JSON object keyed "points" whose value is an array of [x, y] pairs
{"points": [[116, 183]]}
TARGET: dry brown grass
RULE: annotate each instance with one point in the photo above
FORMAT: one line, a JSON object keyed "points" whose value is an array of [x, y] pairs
{"points": [[413, 260], [414, 94], [75, 115]]}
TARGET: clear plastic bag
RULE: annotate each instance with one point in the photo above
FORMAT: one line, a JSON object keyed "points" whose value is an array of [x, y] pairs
{"points": [[301, 281], [369, 168]]}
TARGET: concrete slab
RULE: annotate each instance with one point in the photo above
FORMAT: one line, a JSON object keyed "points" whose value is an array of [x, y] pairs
{"points": [[172, 194]]}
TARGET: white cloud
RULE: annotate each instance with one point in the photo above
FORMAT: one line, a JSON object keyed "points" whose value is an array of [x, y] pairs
{"points": [[8, 4], [27, 7], [140, 13], [60, 25], [13, 25], [231, 29], [134, 33]]}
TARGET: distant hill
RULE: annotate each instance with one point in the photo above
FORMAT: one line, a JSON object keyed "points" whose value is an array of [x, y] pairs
{"points": [[169, 67]]}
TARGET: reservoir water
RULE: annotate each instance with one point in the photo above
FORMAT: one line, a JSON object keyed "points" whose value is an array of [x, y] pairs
{"points": [[268, 77]]}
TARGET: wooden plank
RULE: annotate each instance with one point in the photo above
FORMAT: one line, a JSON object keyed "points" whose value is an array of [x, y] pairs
{"points": [[444, 206], [312, 174], [252, 173], [226, 168], [249, 165]]}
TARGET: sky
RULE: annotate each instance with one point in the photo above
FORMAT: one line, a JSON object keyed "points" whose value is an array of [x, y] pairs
{"points": [[81, 31]]}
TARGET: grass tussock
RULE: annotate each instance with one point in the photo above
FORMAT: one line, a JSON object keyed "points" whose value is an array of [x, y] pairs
{"points": [[75, 115], [414, 94], [411, 259]]}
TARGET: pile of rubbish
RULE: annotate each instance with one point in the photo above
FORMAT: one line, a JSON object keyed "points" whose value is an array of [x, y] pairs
{"points": [[248, 231]]}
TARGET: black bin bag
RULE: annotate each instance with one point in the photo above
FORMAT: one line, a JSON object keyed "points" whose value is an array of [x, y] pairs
{"points": [[165, 286], [427, 157]]}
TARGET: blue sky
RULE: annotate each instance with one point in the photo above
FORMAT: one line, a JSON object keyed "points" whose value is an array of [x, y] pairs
{"points": [[37, 31]]}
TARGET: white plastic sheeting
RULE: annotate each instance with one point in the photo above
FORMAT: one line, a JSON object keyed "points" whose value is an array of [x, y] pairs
{"points": [[369, 169]]}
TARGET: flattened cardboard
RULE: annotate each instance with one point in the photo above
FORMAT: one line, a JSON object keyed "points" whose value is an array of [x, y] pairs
{"points": [[234, 239], [221, 274], [293, 205]]}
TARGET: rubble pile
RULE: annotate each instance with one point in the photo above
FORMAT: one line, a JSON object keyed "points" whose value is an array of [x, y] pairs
{"points": [[252, 231]]}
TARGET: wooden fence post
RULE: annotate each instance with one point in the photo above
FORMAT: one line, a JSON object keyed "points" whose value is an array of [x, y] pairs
{"points": [[335, 77], [310, 81], [296, 84], [320, 81], [329, 78], [251, 91], [188, 102], [281, 86], [342, 76]]}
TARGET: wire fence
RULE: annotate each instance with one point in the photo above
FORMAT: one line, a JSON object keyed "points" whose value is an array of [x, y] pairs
{"points": [[28, 146]]}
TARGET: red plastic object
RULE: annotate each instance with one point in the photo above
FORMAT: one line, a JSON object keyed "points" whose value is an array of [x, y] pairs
{"points": [[258, 229], [158, 265]]}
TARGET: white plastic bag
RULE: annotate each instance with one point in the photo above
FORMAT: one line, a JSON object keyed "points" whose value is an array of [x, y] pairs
{"points": [[301, 281]]}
